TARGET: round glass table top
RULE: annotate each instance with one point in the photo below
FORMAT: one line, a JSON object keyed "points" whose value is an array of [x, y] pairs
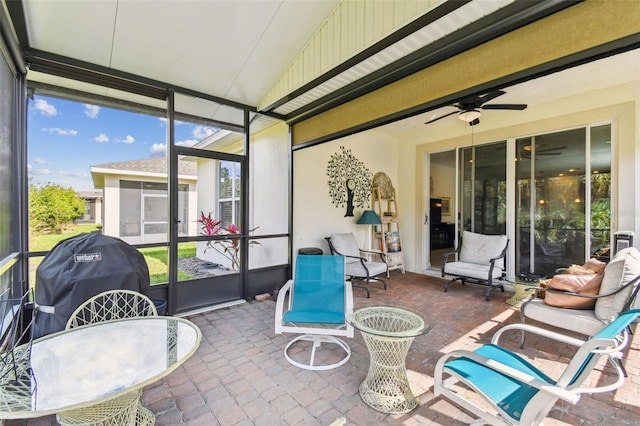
{"points": [[86, 365]]}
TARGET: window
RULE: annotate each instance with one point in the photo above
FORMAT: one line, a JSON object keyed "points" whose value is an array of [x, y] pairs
{"points": [[144, 210], [229, 190]]}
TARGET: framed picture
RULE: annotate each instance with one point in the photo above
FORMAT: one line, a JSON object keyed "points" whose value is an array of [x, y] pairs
{"points": [[446, 206]]}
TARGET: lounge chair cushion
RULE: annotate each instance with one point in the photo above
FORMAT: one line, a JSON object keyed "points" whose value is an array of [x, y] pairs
{"points": [[472, 270], [579, 320], [624, 267], [347, 245], [480, 249], [355, 269]]}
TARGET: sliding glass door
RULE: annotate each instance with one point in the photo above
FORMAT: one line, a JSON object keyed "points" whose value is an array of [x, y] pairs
{"points": [[561, 187], [484, 189], [562, 198]]}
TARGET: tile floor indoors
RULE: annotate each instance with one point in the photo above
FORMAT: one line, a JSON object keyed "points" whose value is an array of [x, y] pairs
{"points": [[239, 376]]}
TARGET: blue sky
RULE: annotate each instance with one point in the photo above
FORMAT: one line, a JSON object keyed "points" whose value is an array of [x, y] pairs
{"points": [[66, 138]]}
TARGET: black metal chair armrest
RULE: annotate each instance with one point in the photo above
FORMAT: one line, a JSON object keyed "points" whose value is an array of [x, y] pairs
{"points": [[380, 253], [445, 256]]}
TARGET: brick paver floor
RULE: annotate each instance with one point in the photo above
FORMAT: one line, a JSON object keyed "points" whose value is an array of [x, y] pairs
{"points": [[239, 375]]}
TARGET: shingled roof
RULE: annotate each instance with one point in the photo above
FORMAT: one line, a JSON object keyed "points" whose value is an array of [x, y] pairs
{"points": [[150, 165]]}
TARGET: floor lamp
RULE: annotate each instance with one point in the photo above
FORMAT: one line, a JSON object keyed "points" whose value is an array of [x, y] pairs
{"points": [[369, 218]]}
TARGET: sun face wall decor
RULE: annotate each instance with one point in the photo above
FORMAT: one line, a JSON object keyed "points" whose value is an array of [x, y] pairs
{"points": [[349, 181]]}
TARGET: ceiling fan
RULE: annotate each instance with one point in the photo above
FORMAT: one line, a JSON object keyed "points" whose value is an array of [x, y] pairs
{"points": [[541, 150], [469, 108]]}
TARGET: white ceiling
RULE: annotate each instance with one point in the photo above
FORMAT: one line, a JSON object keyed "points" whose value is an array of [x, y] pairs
{"points": [[237, 49], [231, 49]]}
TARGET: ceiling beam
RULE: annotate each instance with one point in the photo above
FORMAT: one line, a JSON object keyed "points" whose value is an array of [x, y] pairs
{"points": [[431, 16]]}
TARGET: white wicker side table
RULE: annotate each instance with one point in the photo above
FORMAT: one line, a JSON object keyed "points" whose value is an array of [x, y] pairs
{"points": [[388, 333]]}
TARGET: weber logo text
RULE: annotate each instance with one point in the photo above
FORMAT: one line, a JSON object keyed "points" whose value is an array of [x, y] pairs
{"points": [[88, 257]]}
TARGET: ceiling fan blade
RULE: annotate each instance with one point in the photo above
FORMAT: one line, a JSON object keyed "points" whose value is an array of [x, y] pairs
{"points": [[548, 153], [441, 117], [490, 96], [515, 107], [556, 148]]}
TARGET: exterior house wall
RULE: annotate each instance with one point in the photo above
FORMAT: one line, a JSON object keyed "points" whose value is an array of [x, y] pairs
{"points": [[618, 105], [112, 202], [315, 217], [403, 159], [111, 205], [269, 198]]}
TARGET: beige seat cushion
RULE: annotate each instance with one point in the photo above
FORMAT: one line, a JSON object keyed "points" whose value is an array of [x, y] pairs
{"points": [[579, 320], [480, 248], [624, 267], [473, 270], [347, 245]]}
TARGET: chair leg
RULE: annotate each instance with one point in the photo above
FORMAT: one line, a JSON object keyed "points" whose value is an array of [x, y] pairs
{"points": [[487, 293], [372, 280], [446, 286], [355, 284], [316, 342], [522, 332]]}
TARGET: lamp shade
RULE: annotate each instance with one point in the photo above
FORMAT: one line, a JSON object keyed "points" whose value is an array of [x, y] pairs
{"points": [[369, 217], [469, 116]]}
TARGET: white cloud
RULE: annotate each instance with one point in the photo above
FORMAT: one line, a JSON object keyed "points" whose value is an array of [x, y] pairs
{"points": [[39, 161], [45, 108], [158, 148], [163, 121], [127, 139], [61, 132], [188, 142], [91, 111], [201, 132], [101, 138], [39, 172], [161, 148]]}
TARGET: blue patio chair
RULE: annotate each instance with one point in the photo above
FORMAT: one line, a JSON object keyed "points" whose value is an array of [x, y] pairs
{"points": [[317, 300], [520, 393]]}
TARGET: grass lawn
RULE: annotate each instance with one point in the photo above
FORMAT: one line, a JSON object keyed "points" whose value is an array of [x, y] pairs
{"points": [[156, 257]]}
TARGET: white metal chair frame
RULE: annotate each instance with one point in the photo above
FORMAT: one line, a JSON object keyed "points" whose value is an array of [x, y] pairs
{"points": [[544, 390], [313, 332], [107, 306]]}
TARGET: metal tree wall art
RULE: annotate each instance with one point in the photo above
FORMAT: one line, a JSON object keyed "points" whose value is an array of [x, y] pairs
{"points": [[349, 181]]}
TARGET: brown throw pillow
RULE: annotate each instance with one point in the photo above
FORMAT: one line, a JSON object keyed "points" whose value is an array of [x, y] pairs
{"points": [[581, 284], [595, 265], [579, 270]]}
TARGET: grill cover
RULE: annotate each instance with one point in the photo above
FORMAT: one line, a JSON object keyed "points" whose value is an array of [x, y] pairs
{"points": [[77, 269]]}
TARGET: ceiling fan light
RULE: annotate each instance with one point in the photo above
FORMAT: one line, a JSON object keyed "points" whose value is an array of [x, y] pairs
{"points": [[469, 116]]}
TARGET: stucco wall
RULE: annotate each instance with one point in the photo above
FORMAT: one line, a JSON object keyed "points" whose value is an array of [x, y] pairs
{"points": [[618, 105], [314, 215]]}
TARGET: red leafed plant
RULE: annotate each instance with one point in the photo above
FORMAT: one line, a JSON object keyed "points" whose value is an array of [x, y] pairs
{"points": [[228, 248]]}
